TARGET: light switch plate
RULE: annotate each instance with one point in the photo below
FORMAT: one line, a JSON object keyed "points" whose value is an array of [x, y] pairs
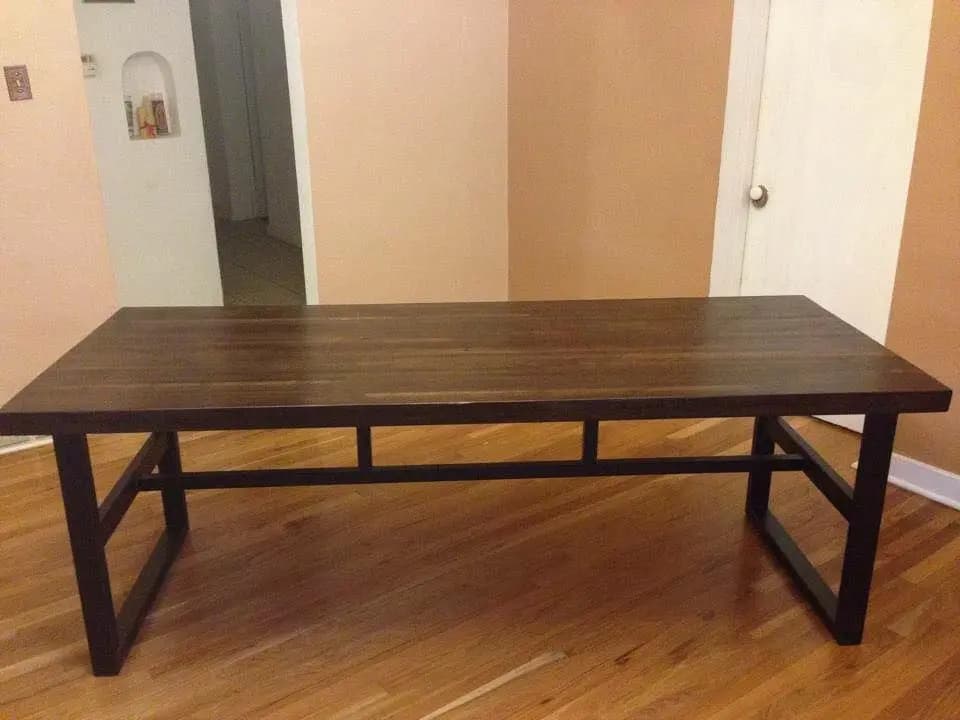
{"points": [[18, 82], [89, 63]]}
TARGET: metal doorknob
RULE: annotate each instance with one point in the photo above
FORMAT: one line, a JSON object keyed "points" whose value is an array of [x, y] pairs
{"points": [[759, 195]]}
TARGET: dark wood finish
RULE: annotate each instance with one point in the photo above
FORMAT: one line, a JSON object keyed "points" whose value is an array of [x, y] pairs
{"points": [[88, 543], [174, 499], [459, 472], [118, 500], [364, 448], [825, 478], [151, 369], [164, 370], [109, 636], [864, 531], [758, 481], [845, 612], [591, 438], [144, 591]]}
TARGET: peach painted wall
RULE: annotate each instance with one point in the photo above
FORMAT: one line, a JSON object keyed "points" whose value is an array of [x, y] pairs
{"points": [[57, 280], [616, 116], [407, 118], [925, 317]]}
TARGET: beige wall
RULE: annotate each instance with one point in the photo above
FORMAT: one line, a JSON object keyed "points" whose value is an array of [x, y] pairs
{"points": [[616, 115], [925, 318], [406, 104], [614, 105], [57, 282]]}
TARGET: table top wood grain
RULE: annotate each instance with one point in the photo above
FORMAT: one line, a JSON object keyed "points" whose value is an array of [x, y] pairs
{"points": [[244, 367]]}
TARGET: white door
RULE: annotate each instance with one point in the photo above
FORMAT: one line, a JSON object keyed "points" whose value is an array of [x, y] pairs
{"points": [[838, 121]]}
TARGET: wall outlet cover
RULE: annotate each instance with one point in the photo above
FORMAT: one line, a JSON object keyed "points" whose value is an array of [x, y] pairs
{"points": [[89, 63], [18, 82]]}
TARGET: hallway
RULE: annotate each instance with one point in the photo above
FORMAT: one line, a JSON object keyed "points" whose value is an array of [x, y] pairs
{"points": [[257, 269]]}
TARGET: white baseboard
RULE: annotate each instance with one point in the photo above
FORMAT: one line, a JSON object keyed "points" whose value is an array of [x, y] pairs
{"points": [[935, 483], [24, 443]]}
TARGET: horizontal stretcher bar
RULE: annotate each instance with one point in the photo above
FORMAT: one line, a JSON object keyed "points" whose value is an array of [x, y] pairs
{"points": [[472, 471]]}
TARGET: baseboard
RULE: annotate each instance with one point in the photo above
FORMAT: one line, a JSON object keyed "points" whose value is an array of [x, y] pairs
{"points": [[935, 483], [16, 444]]}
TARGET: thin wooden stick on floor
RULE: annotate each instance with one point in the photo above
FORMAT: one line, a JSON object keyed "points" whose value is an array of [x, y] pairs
{"points": [[538, 662]]}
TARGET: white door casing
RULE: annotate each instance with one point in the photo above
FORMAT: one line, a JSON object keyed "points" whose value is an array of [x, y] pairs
{"points": [[301, 147], [748, 47]]}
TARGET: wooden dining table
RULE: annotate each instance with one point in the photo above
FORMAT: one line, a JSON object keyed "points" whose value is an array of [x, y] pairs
{"points": [[162, 371]]}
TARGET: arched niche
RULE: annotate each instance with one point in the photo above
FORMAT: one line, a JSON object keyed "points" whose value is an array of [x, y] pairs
{"points": [[148, 74]]}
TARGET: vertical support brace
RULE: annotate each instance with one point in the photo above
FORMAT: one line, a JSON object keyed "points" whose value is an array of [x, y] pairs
{"points": [[174, 498], [364, 448], [868, 496], [591, 440], [758, 482]]}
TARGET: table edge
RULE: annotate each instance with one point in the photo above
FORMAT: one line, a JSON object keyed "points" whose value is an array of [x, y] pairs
{"points": [[454, 413]]}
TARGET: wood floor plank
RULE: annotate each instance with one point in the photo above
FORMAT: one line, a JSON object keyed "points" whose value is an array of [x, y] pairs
{"points": [[390, 602]]}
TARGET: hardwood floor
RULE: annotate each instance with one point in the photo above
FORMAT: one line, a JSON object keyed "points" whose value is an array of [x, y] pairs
{"points": [[562, 599]]}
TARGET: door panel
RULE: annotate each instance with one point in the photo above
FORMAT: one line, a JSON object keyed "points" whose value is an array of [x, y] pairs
{"points": [[838, 122]]}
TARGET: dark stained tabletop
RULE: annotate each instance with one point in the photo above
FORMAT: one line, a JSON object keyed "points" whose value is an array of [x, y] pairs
{"points": [[238, 367]]}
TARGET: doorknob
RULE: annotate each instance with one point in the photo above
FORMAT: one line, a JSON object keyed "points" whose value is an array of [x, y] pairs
{"points": [[759, 195]]}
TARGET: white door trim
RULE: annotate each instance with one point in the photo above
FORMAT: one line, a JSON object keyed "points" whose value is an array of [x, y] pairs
{"points": [[748, 46], [301, 147]]}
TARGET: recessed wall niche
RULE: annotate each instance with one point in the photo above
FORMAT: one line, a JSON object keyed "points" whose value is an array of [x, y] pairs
{"points": [[149, 97]]}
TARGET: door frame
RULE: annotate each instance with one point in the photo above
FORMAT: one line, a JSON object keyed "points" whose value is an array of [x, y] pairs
{"points": [[301, 147], [741, 119]]}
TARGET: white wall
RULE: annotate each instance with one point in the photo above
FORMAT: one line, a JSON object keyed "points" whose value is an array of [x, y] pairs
{"points": [[156, 192], [276, 130]]}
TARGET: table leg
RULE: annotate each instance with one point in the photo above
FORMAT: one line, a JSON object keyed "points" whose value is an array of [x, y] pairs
{"points": [[868, 495], [844, 612], [174, 498], [110, 634], [89, 557], [758, 482]]}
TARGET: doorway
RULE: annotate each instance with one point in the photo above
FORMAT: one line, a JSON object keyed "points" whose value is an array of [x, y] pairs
{"points": [[248, 132], [174, 220]]}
